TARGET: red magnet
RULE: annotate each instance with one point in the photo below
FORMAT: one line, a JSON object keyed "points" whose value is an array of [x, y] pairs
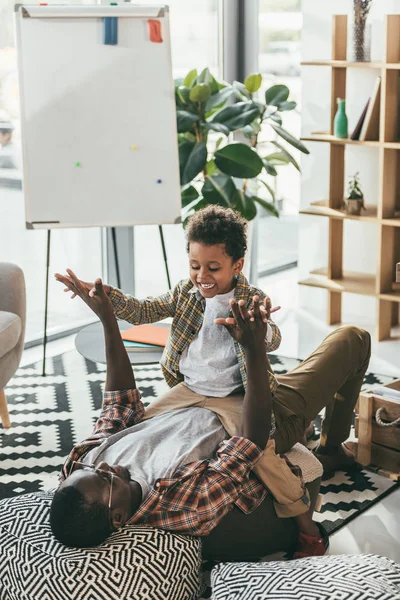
{"points": [[155, 31]]}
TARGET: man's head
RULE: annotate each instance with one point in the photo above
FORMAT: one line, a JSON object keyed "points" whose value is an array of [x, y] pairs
{"points": [[92, 503], [6, 129], [216, 244]]}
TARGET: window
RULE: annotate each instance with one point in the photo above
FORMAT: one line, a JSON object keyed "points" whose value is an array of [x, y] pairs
{"points": [[280, 23], [80, 249]]}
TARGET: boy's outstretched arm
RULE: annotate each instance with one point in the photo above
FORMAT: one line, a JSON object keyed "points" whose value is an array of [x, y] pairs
{"points": [[257, 405], [119, 369], [126, 307]]}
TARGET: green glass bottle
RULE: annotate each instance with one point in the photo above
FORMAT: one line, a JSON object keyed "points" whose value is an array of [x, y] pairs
{"points": [[340, 125]]}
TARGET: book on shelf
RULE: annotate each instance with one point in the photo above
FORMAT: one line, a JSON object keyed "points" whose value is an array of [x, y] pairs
{"points": [[370, 127], [357, 129], [155, 335], [139, 347]]}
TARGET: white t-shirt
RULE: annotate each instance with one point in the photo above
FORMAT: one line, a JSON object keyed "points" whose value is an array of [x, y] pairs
{"points": [[209, 364], [155, 448]]}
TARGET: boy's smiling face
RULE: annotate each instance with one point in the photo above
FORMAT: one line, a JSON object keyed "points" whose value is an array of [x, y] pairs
{"points": [[212, 271]]}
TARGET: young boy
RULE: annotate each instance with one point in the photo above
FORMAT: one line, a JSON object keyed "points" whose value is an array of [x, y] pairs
{"points": [[202, 363]]}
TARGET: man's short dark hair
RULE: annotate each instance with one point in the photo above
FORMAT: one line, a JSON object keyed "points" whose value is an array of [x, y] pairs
{"points": [[75, 522], [217, 225]]}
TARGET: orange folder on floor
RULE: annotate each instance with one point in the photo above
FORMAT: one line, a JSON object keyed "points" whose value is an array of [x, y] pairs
{"points": [[147, 334]]}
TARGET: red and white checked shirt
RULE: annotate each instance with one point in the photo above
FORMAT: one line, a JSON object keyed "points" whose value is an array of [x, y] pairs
{"points": [[200, 493]]}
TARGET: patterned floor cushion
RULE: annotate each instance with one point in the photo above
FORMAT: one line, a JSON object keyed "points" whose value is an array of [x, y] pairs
{"points": [[364, 577], [137, 563]]}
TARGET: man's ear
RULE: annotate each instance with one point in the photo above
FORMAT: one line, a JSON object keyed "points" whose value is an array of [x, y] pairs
{"points": [[238, 266], [118, 519]]}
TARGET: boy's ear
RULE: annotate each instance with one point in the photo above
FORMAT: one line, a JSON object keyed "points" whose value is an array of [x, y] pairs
{"points": [[238, 266]]}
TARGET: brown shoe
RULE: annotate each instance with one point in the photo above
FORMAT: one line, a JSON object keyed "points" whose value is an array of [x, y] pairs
{"points": [[342, 459]]}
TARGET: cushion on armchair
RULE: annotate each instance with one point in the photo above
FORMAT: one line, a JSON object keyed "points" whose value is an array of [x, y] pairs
{"points": [[136, 563], [364, 577]]}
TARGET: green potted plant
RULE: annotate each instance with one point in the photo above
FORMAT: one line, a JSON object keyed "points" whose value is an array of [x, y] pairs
{"points": [[354, 202], [215, 169]]}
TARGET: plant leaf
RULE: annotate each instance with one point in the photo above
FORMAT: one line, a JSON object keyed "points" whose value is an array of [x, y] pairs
{"points": [[269, 188], [269, 207], [192, 160], [183, 94], [276, 117], [190, 78], [276, 94], [237, 116], [289, 157], [188, 194], [238, 160], [270, 168], [253, 82], [188, 211], [205, 77], [277, 159], [185, 120], [240, 90], [200, 92], [211, 167], [217, 127], [218, 99], [287, 105], [245, 205], [219, 189], [288, 137]]}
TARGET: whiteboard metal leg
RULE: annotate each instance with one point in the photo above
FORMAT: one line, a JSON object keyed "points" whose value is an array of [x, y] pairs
{"points": [[46, 304], [114, 240], [164, 255]]}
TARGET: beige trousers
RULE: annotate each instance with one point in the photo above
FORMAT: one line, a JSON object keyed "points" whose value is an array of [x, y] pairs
{"points": [[290, 495]]}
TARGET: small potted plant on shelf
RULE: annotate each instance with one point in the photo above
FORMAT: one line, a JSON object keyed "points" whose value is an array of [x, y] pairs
{"points": [[354, 202]]}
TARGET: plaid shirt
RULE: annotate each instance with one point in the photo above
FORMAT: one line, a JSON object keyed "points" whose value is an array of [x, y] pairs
{"points": [[200, 493], [185, 305]]}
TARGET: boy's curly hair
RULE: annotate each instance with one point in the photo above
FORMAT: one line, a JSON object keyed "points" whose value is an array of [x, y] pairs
{"points": [[217, 225]]}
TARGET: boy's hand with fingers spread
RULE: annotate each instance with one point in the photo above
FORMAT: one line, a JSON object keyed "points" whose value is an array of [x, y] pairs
{"points": [[69, 285], [92, 294]]}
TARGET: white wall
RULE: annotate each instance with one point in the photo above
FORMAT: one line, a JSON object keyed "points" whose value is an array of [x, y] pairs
{"points": [[360, 239]]}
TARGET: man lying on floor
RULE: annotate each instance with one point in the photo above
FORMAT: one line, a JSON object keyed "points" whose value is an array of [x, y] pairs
{"points": [[194, 493], [113, 477]]}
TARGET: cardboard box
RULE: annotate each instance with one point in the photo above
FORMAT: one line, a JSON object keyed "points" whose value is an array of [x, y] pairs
{"points": [[378, 441]]}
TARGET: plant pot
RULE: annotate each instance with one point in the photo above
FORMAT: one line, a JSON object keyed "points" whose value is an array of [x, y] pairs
{"points": [[354, 206]]}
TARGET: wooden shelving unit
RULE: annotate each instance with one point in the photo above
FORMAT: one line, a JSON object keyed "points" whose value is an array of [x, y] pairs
{"points": [[386, 212]]}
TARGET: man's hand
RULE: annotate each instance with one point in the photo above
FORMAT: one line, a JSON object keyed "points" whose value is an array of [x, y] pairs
{"points": [[68, 282], [266, 310], [247, 329], [92, 294]]}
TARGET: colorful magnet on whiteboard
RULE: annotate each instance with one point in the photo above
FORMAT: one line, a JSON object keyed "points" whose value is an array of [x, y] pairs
{"points": [[155, 31], [133, 147], [110, 29], [77, 164], [159, 180]]}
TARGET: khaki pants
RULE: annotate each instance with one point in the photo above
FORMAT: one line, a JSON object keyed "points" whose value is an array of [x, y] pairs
{"points": [[332, 376]]}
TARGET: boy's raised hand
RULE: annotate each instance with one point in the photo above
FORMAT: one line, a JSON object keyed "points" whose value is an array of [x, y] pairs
{"points": [[248, 328], [92, 294], [69, 286]]}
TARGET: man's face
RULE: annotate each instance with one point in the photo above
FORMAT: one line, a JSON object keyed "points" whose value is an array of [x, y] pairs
{"points": [[212, 271], [5, 137], [107, 484]]}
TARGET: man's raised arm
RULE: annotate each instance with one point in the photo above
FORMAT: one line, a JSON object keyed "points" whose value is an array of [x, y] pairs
{"points": [[119, 369], [257, 404]]}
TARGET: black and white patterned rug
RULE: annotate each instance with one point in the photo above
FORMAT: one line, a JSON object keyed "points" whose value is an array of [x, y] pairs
{"points": [[50, 414]]}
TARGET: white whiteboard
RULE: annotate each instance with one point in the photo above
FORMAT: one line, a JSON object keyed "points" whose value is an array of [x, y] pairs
{"points": [[98, 121]]}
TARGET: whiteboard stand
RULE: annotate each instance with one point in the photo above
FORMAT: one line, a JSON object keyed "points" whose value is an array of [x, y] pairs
{"points": [[117, 272]]}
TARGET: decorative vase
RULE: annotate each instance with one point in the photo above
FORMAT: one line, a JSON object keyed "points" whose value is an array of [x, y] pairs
{"points": [[361, 41], [340, 124], [353, 206]]}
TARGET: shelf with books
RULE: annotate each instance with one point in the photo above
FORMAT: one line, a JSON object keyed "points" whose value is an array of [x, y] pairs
{"points": [[378, 127], [322, 209]]}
